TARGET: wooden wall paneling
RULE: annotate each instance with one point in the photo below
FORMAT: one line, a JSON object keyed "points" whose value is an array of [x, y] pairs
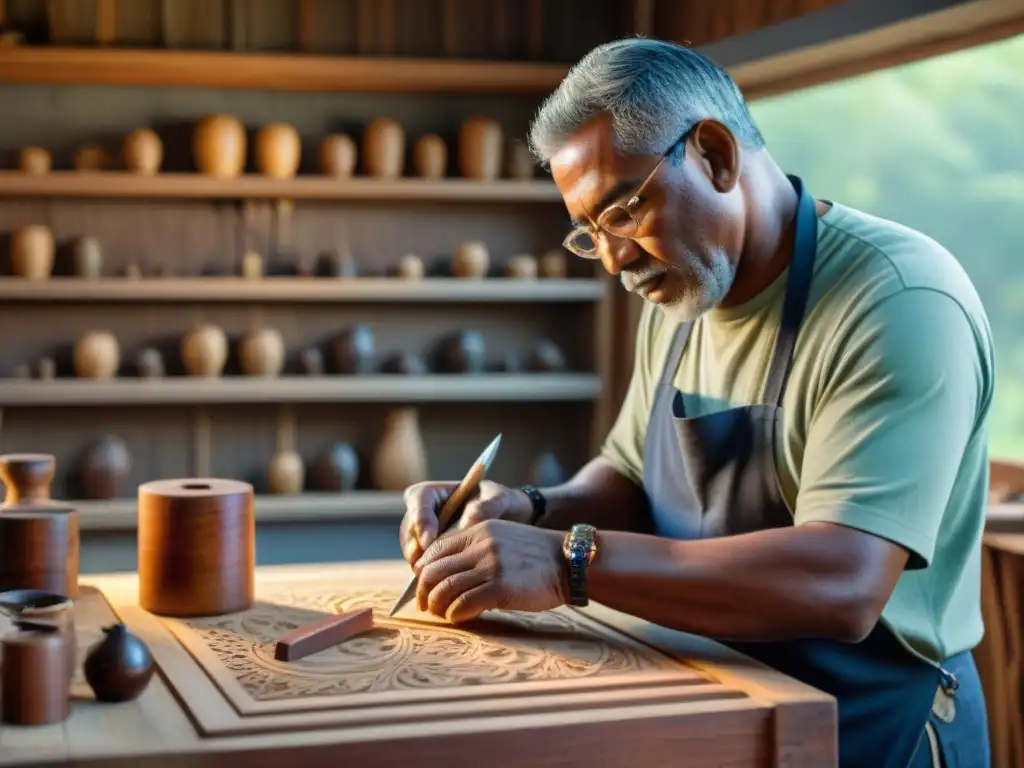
{"points": [[270, 25], [138, 23], [196, 24], [329, 26], [699, 23]]}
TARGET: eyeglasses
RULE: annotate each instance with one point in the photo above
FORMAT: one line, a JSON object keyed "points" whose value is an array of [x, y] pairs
{"points": [[618, 219]]}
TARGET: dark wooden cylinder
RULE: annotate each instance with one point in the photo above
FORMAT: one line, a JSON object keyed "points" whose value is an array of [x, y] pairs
{"points": [[27, 477], [36, 686], [197, 547], [39, 548]]}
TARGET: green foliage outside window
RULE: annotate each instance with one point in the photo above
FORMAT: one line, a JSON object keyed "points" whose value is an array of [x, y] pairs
{"points": [[937, 145]]}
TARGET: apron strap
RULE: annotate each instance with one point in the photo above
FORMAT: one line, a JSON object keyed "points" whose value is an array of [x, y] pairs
{"points": [[675, 353], [798, 290]]}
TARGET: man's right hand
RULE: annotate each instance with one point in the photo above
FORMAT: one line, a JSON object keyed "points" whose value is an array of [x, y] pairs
{"points": [[423, 502]]}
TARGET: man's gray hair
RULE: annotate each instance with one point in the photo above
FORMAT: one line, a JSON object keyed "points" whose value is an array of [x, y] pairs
{"points": [[653, 91]]}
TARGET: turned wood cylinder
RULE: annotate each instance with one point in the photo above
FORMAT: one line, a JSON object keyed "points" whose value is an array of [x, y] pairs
{"points": [[27, 477], [197, 547], [39, 548], [34, 678]]}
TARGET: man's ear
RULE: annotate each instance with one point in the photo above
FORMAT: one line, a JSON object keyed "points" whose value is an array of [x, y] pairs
{"points": [[719, 152]]}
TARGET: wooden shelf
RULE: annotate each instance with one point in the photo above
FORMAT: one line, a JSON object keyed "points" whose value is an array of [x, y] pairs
{"points": [[194, 186], [367, 290], [122, 514], [437, 388], [273, 72]]}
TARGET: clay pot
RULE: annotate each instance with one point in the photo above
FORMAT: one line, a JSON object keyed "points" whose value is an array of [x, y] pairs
{"points": [[462, 352], [354, 351], [522, 266], [553, 264], [400, 459], [430, 157], [32, 250], [384, 149], [545, 471], [262, 352], [204, 351], [91, 158], [34, 160], [546, 357], [335, 264], [405, 364], [143, 152], [87, 257], [480, 149], [278, 150], [118, 667], [471, 259], [97, 355], [338, 155], [520, 164], [150, 363], [252, 265], [410, 267], [285, 473], [104, 468], [219, 145], [335, 469]]}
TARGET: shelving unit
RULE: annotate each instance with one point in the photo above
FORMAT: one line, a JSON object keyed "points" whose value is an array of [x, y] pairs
{"points": [[193, 186]]}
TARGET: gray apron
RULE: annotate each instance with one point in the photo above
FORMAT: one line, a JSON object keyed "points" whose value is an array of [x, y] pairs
{"points": [[715, 475]]}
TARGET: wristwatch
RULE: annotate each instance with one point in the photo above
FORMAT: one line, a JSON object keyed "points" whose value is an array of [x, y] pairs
{"points": [[537, 500], [579, 548]]}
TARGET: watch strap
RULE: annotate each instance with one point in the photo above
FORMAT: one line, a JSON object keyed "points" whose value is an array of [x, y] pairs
{"points": [[538, 501]]}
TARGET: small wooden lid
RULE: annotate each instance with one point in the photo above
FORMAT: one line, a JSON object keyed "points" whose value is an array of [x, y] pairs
{"points": [[195, 488]]}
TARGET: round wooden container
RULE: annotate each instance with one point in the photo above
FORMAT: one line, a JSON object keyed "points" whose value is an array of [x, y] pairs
{"points": [[27, 477], [39, 548], [197, 546], [35, 679]]}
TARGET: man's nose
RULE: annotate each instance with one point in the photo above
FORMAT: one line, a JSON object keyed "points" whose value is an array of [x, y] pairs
{"points": [[616, 253]]}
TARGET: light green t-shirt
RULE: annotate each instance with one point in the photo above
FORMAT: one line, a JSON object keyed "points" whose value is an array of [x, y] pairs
{"points": [[886, 408]]}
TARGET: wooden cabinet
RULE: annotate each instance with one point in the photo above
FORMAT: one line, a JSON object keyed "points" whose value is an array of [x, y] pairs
{"points": [[567, 687]]}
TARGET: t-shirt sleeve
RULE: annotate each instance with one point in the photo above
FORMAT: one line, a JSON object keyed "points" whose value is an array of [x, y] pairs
{"points": [[624, 445], [899, 406]]}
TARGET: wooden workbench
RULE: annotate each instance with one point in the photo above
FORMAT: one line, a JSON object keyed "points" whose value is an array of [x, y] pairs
{"points": [[569, 687]]}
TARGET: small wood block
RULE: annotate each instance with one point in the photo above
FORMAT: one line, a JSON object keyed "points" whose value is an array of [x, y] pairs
{"points": [[323, 634]]}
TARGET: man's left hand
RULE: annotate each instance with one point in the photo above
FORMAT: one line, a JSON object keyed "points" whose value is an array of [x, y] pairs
{"points": [[494, 564]]}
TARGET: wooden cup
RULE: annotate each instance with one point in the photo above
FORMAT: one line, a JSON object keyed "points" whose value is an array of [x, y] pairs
{"points": [[197, 547]]}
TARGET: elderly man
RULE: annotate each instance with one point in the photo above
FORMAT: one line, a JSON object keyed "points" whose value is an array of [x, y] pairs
{"points": [[800, 466]]}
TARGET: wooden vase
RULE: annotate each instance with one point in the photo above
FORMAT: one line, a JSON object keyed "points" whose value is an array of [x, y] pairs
{"points": [[286, 473], [34, 160], [410, 267], [204, 351], [335, 469], [522, 266], [471, 259], [262, 352], [400, 459], [278, 151], [480, 149], [197, 547], [520, 163], [87, 257], [143, 152], [32, 252], [27, 477], [384, 149], [104, 468], [219, 146], [97, 355], [338, 155], [91, 158], [553, 264], [430, 157]]}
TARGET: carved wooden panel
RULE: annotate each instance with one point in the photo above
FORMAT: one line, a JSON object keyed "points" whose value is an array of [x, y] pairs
{"points": [[416, 689]]}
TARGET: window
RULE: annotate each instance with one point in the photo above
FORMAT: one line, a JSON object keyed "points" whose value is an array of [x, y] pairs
{"points": [[938, 146]]}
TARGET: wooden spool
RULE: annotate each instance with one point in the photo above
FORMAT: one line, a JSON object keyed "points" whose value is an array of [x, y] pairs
{"points": [[36, 686], [27, 477], [197, 547]]}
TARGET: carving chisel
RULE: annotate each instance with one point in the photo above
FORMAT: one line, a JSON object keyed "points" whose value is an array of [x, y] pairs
{"points": [[451, 510]]}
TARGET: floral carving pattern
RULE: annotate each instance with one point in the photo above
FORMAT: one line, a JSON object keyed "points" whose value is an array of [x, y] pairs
{"points": [[510, 647]]}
